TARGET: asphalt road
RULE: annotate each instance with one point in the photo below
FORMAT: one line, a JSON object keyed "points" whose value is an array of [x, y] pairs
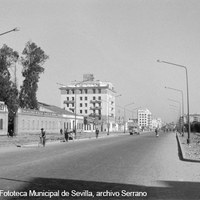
{"points": [[123, 167]]}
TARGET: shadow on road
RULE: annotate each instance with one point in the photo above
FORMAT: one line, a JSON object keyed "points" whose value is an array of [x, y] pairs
{"points": [[168, 190]]}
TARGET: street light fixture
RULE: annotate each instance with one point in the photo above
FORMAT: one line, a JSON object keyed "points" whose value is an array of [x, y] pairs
{"points": [[188, 109], [181, 91], [125, 114], [13, 30]]}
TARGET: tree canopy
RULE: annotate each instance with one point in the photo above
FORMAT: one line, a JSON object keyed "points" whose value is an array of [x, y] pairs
{"points": [[8, 90], [32, 60]]}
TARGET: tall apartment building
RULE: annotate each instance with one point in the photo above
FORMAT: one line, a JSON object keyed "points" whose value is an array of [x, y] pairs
{"points": [[144, 118], [90, 98]]}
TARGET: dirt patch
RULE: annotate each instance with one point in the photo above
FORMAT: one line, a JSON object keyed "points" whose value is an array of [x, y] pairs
{"points": [[192, 150]]}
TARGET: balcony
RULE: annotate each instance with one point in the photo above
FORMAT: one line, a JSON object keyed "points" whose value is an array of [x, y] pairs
{"points": [[95, 101], [94, 115], [96, 108], [68, 101], [71, 109]]}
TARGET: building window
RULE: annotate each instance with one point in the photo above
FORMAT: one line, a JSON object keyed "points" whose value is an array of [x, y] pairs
{"points": [[85, 111], [72, 98], [94, 91], [67, 98], [85, 91], [99, 91], [67, 105], [94, 98], [99, 98], [67, 91], [85, 104], [81, 111], [81, 104], [81, 98], [85, 98]]}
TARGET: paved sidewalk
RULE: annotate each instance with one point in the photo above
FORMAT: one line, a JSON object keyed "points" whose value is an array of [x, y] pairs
{"points": [[33, 140]]}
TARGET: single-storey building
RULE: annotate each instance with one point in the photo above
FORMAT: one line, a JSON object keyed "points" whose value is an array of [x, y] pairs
{"points": [[49, 117]]}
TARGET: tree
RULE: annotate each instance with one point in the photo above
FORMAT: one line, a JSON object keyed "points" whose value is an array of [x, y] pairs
{"points": [[33, 59], [8, 89]]}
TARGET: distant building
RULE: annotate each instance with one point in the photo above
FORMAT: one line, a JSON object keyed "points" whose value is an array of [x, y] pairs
{"points": [[193, 118], [93, 99], [156, 123], [3, 119], [144, 118]]}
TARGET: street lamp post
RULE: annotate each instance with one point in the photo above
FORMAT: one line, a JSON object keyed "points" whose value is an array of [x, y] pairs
{"points": [[188, 109], [133, 111], [181, 91], [125, 115], [13, 30], [179, 107]]}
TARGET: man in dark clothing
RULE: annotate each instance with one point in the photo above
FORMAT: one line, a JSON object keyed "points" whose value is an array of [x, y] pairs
{"points": [[66, 135], [43, 137], [97, 133]]}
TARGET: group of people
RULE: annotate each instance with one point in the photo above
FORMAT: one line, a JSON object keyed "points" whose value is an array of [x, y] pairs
{"points": [[67, 135], [71, 134]]}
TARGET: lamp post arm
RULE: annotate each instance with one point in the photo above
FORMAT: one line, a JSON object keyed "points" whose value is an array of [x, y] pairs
{"points": [[161, 61], [188, 110], [15, 29]]}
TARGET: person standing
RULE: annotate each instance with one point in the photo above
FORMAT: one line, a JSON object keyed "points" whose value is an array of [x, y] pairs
{"points": [[43, 137], [66, 133], [97, 132]]}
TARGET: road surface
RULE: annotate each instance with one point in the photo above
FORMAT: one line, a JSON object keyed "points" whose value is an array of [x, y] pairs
{"points": [[122, 167]]}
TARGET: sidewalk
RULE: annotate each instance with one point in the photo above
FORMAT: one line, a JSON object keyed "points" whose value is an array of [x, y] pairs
{"points": [[189, 152], [31, 140]]}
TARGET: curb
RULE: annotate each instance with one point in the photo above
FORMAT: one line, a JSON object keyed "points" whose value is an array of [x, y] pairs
{"points": [[182, 152]]}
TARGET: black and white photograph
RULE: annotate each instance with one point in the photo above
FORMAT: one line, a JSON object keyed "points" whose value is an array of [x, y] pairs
{"points": [[99, 99]]}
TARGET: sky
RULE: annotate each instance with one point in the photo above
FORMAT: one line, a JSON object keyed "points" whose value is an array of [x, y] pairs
{"points": [[118, 41]]}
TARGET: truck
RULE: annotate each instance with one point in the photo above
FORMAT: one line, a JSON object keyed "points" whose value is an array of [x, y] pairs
{"points": [[133, 127]]}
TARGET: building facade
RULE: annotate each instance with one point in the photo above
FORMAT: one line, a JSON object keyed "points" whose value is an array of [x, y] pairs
{"points": [[3, 119], [144, 119], [51, 118], [93, 99]]}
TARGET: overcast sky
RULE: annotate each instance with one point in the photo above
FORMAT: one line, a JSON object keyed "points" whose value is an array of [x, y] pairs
{"points": [[116, 40]]}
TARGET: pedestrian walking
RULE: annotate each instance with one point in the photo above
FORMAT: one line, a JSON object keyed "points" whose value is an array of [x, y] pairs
{"points": [[156, 131], [43, 137], [61, 131], [66, 133], [97, 132]]}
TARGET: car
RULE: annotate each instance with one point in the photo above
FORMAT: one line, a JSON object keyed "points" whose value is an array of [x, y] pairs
{"points": [[134, 130]]}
